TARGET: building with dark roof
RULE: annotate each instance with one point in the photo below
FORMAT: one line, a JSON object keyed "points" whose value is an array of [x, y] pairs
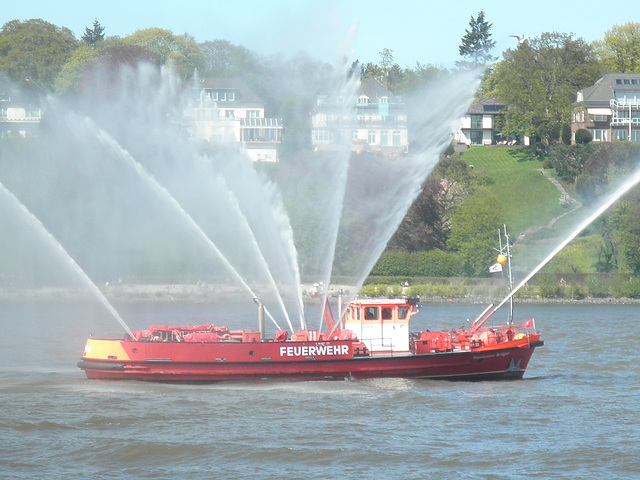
{"points": [[481, 123], [609, 109]]}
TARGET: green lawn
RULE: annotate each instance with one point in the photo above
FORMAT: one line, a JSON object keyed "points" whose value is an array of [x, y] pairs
{"points": [[527, 198]]}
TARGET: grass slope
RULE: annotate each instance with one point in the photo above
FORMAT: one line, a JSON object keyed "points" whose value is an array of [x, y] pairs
{"points": [[527, 198]]}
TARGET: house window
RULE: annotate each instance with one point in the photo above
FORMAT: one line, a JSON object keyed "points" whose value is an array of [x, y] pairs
{"points": [[253, 113], [635, 136], [476, 121], [322, 136], [372, 138], [620, 135], [229, 113], [476, 137], [396, 138], [384, 138], [599, 118], [599, 135], [232, 96], [384, 99], [363, 100]]}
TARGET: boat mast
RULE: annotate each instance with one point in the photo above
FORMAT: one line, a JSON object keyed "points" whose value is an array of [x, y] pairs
{"points": [[504, 257], [508, 252]]}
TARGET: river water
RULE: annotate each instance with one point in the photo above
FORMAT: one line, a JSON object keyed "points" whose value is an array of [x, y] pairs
{"points": [[574, 415]]}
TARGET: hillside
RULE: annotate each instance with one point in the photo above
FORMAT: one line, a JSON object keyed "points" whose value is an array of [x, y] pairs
{"points": [[528, 199]]}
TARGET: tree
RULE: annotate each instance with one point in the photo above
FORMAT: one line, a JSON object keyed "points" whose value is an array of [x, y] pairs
{"points": [[476, 45], [35, 49], [72, 73], [180, 51], [625, 221], [224, 59], [619, 51], [539, 80], [386, 64], [568, 160], [94, 35], [474, 228], [86, 63], [427, 223]]}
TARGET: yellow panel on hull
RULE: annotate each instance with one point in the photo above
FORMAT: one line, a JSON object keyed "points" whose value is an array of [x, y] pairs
{"points": [[105, 350]]}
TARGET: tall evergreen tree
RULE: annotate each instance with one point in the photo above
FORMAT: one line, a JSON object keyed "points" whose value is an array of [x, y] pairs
{"points": [[93, 35], [476, 45]]}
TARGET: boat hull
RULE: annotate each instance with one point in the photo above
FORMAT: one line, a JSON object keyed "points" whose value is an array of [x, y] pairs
{"points": [[212, 362]]}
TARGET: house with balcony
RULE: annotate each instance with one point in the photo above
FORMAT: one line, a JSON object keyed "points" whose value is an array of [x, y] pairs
{"points": [[609, 109], [226, 109], [377, 122]]}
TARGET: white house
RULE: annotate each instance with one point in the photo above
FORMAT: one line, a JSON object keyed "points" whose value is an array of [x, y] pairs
{"points": [[480, 124], [225, 109]]}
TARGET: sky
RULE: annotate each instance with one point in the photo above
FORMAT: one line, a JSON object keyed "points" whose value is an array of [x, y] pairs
{"points": [[427, 31]]}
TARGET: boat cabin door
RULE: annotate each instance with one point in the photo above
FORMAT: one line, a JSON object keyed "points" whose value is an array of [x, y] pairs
{"points": [[382, 327]]}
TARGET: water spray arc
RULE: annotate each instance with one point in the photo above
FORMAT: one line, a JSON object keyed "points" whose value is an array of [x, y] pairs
{"points": [[41, 230], [164, 193], [623, 189], [254, 243]]}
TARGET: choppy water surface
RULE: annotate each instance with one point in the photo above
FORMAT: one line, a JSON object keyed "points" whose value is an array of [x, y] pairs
{"points": [[573, 416]]}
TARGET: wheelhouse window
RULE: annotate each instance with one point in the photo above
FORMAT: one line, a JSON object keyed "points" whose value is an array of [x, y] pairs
{"points": [[387, 313], [402, 312], [371, 313]]}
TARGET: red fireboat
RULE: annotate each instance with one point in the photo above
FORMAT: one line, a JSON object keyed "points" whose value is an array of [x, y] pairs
{"points": [[371, 340]]}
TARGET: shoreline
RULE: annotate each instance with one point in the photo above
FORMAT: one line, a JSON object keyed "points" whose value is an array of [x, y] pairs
{"points": [[225, 293]]}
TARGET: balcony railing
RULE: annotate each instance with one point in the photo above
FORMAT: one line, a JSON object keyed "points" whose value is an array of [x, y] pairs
{"points": [[613, 103], [34, 119]]}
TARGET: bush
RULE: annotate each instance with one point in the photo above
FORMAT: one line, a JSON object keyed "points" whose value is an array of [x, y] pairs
{"points": [[549, 287], [546, 164], [627, 289], [583, 136], [597, 288], [381, 291], [434, 263]]}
